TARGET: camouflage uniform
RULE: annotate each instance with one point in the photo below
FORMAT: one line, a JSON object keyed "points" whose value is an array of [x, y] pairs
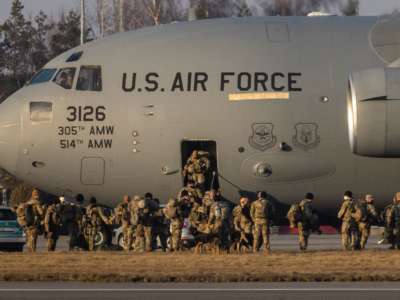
{"points": [[123, 218], [173, 213], [304, 226], [31, 231], [243, 225], [349, 228], [75, 228], [388, 220], [196, 168], [396, 225], [261, 212], [52, 225], [95, 220], [198, 219], [365, 221], [143, 233]]}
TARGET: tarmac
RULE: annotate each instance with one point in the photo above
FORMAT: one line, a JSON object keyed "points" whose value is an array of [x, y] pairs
{"points": [[198, 291], [278, 242], [223, 291]]}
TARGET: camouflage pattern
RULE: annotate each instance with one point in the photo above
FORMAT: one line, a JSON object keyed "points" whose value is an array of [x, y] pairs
{"points": [[94, 220], [364, 224], [173, 213], [304, 226], [261, 212], [349, 231], [52, 225], [123, 218], [243, 225], [31, 231]]}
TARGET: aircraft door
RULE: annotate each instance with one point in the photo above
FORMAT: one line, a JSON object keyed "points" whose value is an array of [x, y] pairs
{"points": [[208, 151]]}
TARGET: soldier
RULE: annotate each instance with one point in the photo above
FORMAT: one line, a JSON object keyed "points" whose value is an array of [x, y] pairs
{"points": [[215, 221], [194, 192], [52, 224], [123, 218], [388, 220], [396, 222], [365, 214], [94, 222], [349, 228], [160, 228], [243, 225], [261, 212], [305, 224], [196, 168], [174, 214], [75, 226], [144, 213], [186, 202], [29, 217]]}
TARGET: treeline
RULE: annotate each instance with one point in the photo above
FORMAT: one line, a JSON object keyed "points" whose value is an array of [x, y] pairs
{"points": [[27, 44]]}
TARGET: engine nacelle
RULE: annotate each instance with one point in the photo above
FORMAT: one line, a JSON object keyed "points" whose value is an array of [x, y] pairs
{"points": [[373, 108]]}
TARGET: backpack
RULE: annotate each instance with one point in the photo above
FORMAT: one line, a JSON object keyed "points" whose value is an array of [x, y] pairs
{"points": [[360, 212], [29, 215], [294, 215]]}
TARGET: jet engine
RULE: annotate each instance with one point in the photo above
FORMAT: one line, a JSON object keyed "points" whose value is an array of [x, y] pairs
{"points": [[373, 108]]}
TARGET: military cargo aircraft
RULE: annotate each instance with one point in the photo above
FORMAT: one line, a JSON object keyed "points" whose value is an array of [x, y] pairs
{"points": [[284, 104]]}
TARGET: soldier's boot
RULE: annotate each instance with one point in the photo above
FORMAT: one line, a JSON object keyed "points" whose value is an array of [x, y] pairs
{"points": [[51, 245]]}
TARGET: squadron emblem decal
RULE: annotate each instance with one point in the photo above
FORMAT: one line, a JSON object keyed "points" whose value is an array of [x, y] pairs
{"points": [[262, 137], [306, 136]]}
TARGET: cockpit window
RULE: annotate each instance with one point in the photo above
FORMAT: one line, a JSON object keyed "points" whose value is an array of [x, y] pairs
{"points": [[65, 78], [89, 79], [43, 75]]}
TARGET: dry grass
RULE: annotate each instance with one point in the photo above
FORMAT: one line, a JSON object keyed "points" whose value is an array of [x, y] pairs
{"points": [[187, 267]]}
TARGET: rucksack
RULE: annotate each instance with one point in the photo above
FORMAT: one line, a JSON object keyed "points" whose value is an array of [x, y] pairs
{"points": [[29, 215], [294, 215], [361, 212]]}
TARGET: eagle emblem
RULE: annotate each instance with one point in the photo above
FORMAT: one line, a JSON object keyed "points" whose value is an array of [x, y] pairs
{"points": [[262, 136], [306, 136]]}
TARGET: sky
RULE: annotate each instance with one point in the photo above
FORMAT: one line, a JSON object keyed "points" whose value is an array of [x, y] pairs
{"points": [[54, 7]]}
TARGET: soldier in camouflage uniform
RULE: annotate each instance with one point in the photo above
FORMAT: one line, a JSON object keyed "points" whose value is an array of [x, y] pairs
{"points": [[31, 227], [123, 218], [75, 226], [196, 168], [349, 230], [304, 226], [388, 220], [193, 192], [261, 212], [365, 215], [396, 222], [174, 214], [95, 219], [144, 212], [160, 228], [243, 224], [52, 224]]}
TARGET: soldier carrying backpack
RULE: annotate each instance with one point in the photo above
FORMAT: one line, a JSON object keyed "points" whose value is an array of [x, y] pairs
{"points": [[262, 212], [364, 215], [29, 217], [52, 224], [302, 216]]}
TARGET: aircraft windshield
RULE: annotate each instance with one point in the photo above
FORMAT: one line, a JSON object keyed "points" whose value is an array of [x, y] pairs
{"points": [[43, 75], [89, 79], [65, 78]]}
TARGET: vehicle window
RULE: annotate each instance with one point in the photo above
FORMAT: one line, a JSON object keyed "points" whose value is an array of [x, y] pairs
{"points": [[89, 79], [7, 215], [43, 75], [65, 78]]}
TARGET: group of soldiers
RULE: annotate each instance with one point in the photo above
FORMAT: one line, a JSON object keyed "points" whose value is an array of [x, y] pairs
{"points": [[214, 222]]}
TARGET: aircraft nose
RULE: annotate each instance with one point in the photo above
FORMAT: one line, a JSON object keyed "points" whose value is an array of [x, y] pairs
{"points": [[10, 129]]}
